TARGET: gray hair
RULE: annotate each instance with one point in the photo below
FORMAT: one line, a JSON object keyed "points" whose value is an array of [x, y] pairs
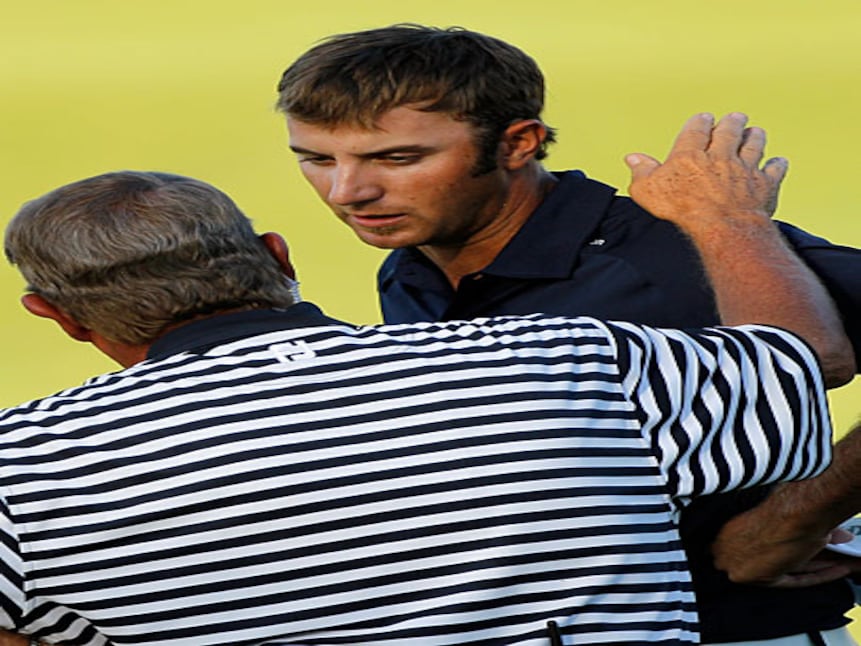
{"points": [[129, 253]]}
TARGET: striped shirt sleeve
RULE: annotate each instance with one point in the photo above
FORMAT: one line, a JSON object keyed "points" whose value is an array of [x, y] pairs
{"points": [[726, 408]]}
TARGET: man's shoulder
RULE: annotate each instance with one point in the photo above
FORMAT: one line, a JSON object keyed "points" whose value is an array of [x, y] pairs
{"points": [[39, 419], [580, 217], [623, 215], [582, 202], [619, 226], [804, 240]]}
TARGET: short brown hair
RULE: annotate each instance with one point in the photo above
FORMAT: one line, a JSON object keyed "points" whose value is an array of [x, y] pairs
{"points": [[353, 78], [129, 253]]}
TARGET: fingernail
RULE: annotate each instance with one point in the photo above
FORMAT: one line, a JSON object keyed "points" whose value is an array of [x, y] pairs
{"points": [[632, 160]]}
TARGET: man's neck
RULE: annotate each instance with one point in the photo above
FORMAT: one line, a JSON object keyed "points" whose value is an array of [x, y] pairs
{"points": [[124, 354], [128, 355], [527, 190]]}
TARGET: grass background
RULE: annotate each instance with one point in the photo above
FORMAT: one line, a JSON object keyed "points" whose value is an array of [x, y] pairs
{"points": [[188, 86]]}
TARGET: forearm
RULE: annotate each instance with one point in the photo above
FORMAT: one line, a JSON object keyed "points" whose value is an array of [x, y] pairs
{"points": [[757, 278], [793, 524], [817, 505]]}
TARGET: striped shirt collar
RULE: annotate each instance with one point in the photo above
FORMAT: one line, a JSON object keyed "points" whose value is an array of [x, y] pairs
{"points": [[199, 336]]}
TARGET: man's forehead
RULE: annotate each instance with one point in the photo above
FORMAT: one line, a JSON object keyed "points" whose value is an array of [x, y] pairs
{"points": [[402, 124]]}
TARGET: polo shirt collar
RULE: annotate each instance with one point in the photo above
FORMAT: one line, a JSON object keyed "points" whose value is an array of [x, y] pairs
{"points": [[549, 242], [200, 336]]}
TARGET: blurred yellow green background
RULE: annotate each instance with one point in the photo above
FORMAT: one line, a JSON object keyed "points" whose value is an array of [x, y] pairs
{"points": [[188, 86]]}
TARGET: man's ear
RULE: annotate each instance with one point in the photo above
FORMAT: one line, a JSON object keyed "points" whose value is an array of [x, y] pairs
{"points": [[38, 306], [521, 141], [278, 248]]}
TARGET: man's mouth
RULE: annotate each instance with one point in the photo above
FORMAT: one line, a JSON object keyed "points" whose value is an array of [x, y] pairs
{"points": [[375, 220]]}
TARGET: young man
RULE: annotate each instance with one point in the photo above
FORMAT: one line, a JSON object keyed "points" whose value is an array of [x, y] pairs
{"points": [[258, 473], [429, 142]]}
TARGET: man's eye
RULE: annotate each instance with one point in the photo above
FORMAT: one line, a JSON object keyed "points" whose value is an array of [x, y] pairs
{"points": [[316, 161], [400, 159]]}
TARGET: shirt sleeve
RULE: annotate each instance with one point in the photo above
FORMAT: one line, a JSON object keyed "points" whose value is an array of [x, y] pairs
{"points": [[726, 408], [12, 598]]}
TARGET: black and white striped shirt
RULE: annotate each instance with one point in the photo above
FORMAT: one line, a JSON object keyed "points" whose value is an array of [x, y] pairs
{"points": [[281, 478]]}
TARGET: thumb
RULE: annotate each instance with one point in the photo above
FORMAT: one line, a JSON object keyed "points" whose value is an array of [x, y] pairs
{"points": [[641, 165]]}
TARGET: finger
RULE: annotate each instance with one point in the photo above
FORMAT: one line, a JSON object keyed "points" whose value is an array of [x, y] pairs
{"points": [[776, 169], [727, 135], [695, 134], [641, 165], [752, 146]]}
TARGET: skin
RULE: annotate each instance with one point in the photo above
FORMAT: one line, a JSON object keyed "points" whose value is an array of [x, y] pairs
{"points": [[12, 639], [409, 182]]}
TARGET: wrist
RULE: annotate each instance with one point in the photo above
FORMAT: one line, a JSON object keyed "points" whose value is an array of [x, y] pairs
{"points": [[730, 223]]}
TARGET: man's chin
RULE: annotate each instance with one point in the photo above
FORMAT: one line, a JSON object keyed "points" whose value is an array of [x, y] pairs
{"points": [[385, 238]]}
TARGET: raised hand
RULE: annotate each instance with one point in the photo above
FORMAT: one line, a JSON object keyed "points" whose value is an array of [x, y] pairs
{"points": [[712, 171]]}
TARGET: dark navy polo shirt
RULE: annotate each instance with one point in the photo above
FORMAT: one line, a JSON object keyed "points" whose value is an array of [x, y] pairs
{"points": [[588, 251]]}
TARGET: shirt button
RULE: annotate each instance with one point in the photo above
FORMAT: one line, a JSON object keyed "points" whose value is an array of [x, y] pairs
{"points": [[478, 277]]}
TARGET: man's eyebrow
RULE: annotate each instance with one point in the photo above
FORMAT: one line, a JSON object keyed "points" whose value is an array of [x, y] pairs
{"points": [[303, 151], [405, 148]]}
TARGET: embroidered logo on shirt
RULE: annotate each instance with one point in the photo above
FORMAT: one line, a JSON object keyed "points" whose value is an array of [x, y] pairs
{"points": [[597, 242], [292, 351]]}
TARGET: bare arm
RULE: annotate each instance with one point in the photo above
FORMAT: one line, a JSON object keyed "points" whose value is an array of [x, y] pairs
{"points": [[712, 187], [768, 543]]}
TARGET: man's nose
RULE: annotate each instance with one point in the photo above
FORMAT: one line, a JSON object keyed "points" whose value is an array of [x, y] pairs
{"points": [[353, 183]]}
